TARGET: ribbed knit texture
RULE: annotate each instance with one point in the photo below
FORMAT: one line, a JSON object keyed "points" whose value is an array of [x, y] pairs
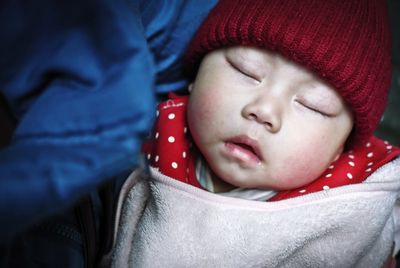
{"points": [[346, 43]]}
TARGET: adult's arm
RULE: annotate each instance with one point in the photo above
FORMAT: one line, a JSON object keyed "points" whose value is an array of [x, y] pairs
{"points": [[80, 79]]}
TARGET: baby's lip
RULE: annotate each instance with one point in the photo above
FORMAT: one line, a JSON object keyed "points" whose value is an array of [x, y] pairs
{"points": [[247, 143]]}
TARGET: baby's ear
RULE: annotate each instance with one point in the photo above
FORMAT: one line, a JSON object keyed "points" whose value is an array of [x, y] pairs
{"points": [[190, 87]]}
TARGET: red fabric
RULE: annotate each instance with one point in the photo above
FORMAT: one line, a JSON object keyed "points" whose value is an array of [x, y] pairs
{"points": [[346, 43], [169, 150], [170, 145]]}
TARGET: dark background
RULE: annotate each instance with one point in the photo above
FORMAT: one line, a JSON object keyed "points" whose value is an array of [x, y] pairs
{"points": [[389, 128]]}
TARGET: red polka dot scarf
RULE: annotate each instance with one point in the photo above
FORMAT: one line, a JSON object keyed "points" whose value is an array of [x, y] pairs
{"points": [[169, 150]]}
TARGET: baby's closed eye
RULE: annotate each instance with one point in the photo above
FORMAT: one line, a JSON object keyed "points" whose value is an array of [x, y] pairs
{"points": [[314, 107], [320, 99], [245, 71]]}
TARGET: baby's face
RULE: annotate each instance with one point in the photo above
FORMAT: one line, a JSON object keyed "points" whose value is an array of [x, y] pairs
{"points": [[264, 122]]}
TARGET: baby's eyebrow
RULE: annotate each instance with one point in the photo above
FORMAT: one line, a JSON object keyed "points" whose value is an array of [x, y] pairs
{"points": [[251, 59], [244, 54], [326, 95]]}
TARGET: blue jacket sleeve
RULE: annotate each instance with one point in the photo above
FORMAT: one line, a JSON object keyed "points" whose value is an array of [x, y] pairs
{"points": [[80, 78]]}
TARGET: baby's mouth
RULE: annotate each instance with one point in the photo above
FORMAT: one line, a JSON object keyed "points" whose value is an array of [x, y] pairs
{"points": [[245, 149]]}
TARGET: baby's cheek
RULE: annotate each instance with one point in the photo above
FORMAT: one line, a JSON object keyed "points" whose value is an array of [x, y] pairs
{"points": [[204, 107], [303, 167], [202, 113], [198, 115], [203, 110]]}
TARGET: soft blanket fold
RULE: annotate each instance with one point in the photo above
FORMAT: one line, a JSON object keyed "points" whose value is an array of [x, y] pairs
{"points": [[179, 225]]}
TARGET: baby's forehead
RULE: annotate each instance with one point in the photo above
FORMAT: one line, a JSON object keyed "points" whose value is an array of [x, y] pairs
{"points": [[267, 60], [251, 53], [264, 60]]}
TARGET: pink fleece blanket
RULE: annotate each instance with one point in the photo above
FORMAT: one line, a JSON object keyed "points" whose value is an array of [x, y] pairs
{"points": [[166, 223]]}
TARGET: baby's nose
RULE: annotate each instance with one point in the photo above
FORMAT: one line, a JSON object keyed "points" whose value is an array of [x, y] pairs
{"points": [[265, 111]]}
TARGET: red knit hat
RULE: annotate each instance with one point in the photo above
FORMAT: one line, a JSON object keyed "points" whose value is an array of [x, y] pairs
{"points": [[347, 43]]}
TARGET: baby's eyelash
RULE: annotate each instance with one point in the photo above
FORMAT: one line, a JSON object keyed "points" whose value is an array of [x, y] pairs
{"points": [[313, 109], [317, 111], [240, 70], [237, 68]]}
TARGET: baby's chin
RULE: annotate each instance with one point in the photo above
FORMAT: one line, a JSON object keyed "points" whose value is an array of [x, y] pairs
{"points": [[273, 180], [221, 185], [224, 181], [232, 183]]}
